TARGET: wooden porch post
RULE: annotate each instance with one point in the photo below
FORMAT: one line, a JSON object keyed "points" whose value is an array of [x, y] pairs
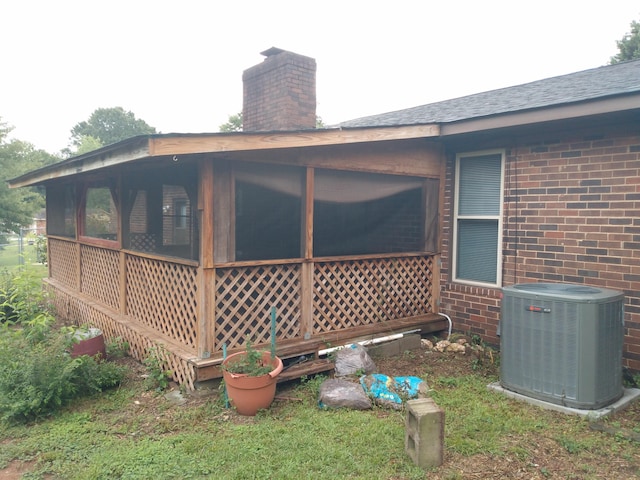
{"points": [[306, 273], [124, 209], [435, 284], [206, 271]]}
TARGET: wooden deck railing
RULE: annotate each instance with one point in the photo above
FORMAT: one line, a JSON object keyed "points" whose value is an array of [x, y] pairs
{"points": [[344, 294], [313, 299]]}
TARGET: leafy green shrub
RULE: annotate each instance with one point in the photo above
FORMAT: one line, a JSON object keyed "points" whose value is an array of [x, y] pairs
{"points": [[250, 363], [22, 298], [41, 249], [38, 375], [158, 376], [117, 348]]}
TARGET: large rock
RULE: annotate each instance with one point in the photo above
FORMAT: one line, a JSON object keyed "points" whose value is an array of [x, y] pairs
{"points": [[353, 360], [337, 393]]}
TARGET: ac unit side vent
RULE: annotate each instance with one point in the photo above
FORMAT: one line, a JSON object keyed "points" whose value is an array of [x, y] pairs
{"points": [[562, 343]]}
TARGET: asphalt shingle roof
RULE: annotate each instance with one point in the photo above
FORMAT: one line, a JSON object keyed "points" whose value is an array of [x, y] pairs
{"points": [[610, 80]]}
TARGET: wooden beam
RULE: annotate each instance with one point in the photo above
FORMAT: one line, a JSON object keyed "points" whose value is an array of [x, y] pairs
{"points": [[96, 160], [205, 213], [206, 271], [181, 145], [415, 157], [175, 145], [307, 267], [426, 323], [307, 240], [122, 257], [435, 284], [223, 213]]}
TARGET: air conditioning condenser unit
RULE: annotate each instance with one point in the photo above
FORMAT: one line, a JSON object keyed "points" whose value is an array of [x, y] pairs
{"points": [[562, 343]]}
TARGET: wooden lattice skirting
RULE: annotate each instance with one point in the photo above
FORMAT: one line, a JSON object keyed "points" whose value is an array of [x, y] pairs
{"points": [[72, 306]]}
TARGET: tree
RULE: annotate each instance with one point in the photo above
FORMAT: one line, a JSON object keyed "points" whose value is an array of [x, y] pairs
{"points": [[18, 206], [233, 124], [110, 125], [87, 144], [629, 46]]}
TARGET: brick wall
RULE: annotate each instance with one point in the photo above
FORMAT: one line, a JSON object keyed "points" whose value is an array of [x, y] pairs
{"points": [[280, 93], [571, 214]]}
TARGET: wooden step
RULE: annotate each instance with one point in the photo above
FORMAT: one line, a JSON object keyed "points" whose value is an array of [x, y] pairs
{"points": [[310, 367]]}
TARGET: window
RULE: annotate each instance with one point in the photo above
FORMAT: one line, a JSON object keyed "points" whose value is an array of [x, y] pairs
{"points": [[477, 257], [176, 223], [181, 209], [100, 216], [61, 211], [359, 213]]}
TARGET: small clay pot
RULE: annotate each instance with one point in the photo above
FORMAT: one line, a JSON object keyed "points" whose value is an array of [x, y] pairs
{"points": [[89, 342], [249, 394]]}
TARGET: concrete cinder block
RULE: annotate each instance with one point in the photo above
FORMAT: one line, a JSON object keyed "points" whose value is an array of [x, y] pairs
{"points": [[395, 347], [386, 349], [411, 341], [424, 433]]}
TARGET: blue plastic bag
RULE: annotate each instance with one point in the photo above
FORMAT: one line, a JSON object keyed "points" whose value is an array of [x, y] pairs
{"points": [[392, 391]]}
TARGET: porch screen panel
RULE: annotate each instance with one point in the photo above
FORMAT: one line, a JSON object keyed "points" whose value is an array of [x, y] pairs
{"points": [[100, 214], [359, 213], [268, 212], [177, 221], [161, 217], [61, 211]]}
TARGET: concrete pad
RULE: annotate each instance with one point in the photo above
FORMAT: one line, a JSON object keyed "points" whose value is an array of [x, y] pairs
{"points": [[628, 396]]}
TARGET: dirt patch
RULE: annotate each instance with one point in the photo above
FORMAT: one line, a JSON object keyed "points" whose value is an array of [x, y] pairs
{"points": [[15, 470]]}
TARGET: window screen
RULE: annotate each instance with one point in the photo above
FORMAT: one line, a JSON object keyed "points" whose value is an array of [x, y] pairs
{"points": [[159, 214], [268, 212], [61, 211], [359, 213], [100, 214]]}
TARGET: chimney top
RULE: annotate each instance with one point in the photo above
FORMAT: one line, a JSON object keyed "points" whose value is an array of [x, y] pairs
{"points": [[272, 51], [280, 92]]}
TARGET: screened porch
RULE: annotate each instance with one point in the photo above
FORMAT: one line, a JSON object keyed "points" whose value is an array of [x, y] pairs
{"points": [[188, 254]]}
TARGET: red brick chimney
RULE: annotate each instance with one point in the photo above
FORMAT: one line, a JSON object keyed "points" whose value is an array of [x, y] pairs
{"points": [[280, 93]]}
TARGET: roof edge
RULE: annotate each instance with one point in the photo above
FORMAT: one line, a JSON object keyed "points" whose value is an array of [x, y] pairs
{"points": [[158, 145], [613, 104]]}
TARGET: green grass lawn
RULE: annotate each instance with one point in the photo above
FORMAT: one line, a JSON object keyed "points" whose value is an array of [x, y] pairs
{"points": [[11, 258], [130, 433]]}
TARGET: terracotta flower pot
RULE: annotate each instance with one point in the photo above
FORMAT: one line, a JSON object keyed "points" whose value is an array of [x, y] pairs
{"points": [[89, 342], [248, 394]]}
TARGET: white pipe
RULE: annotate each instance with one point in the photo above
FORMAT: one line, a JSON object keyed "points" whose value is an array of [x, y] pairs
{"points": [[450, 323], [368, 342]]}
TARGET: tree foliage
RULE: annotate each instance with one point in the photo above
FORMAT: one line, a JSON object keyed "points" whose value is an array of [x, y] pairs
{"points": [[18, 206], [233, 124], [629, 45], [86, 144], [109, 125]]}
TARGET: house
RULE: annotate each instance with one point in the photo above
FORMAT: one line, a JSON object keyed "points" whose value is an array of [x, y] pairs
{"points": [[380, 225], [542, 184]]}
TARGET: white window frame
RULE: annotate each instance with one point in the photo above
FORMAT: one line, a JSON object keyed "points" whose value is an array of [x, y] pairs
{"points": [[457, 217]]}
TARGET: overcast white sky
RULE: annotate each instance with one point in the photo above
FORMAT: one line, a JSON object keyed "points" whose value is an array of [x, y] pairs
{"points": [[178, 64]]}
